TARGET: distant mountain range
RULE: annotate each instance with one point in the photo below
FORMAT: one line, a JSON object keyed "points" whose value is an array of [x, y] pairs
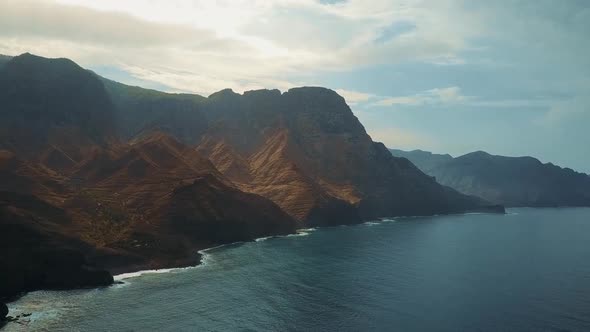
{"points": [[96, 175], [510, 181]]}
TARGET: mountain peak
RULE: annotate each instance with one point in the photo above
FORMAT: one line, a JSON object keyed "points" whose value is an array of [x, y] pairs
{"points": [[36, 60], [223, 94], [320, 93], [48, 99], [263, 93], [479, 153], [511, 181]]}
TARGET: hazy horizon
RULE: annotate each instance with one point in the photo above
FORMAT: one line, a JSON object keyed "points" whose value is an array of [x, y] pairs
{"points": [[443, 76]]}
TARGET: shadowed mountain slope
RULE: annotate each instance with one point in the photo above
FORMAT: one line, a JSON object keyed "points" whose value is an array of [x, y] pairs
{"points": [[73, 182], [122, 178], [52, 101], [308, 140], [141, 110], [510, 181]]}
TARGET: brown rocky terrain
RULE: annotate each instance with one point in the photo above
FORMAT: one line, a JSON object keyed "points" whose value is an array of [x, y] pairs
{"points": [[77, 202], [306, 151], [97, 176]]}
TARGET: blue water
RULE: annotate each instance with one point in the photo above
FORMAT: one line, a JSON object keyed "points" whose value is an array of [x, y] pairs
{"points": [[528, 270]]}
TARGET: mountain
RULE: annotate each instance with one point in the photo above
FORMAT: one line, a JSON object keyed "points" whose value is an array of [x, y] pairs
{"points": [[307, 143], [510, 181], [4, 59], [117, 178], [50, 100], [35, 254], [424, 160], [75, 186], [138, 110]]}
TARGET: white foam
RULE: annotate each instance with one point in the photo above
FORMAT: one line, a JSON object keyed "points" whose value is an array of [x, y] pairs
{"points": [[307, 229], [205, 258], [302, 232], [371, 223], [260, 239], [298, 234], [123, 276]]}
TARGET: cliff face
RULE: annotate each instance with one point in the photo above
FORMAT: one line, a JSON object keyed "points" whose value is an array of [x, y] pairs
{"points": [[106, 176], [37, 251], [138, 111], [305, 150], [424, 160], [52, 101], [4, 59], [79, 197], [510, 181]]}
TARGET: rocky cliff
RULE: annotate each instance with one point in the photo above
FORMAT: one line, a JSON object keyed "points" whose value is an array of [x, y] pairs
{"points": [[98, 176], [305, 150], [79, 197], [510, 181]]}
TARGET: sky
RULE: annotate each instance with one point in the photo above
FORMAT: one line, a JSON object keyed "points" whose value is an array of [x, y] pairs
{"points": [[510, 77]]}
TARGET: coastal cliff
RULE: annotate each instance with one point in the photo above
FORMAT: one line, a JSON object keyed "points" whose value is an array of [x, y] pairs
{"points": [[509, 181], [100, 178]]}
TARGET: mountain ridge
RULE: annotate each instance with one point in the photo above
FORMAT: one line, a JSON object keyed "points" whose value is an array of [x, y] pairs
{"points": [[146, 178], [510, 181]]}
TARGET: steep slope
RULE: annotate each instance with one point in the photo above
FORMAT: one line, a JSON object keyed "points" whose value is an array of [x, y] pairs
{"points": [[141, 110], [149, 204], [72, 183], [37, 252], [309, 149], [4, 59], [52, 101], [424, 160], [156, 201], [511, 181], [19, 176], [271, 173]]}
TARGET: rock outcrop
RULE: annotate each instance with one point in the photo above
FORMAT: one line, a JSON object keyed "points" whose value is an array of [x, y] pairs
{"points": [[3, 312], [37, 253]]}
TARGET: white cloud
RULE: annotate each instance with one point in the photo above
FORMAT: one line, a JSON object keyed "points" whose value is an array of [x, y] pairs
{"points": [[565, 110], [355, 97], [401, 138], [438, 96], [210, 45]]}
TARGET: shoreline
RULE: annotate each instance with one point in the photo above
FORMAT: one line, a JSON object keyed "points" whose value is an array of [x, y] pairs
{"points": [[202, 262], [118, 278], [204, 255]]}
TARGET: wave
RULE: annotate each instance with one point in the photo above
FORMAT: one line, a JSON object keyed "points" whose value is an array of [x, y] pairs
{"points": [[260, 239], [123, 276], [205, 260], [303, 232], [206, 256]]}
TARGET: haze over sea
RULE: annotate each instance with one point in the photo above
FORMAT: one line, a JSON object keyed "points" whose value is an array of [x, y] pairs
{"points": [[528, 270]]}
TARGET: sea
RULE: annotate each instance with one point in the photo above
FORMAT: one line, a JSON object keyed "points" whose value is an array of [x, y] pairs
{"points": [[527, 270]]}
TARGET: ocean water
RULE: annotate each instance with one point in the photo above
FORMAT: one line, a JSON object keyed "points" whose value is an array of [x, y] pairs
{"points": [[528, 270]]}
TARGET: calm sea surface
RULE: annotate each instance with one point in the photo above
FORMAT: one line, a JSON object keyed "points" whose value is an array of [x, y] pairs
{"points": [[528, 270]]}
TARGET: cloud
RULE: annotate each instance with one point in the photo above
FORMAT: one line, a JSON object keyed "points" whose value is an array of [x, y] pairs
{"points": [[402, 138], [355, 97], [438, 96], [202, 46], [240, 44], [46, 20], [566, 110]]}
